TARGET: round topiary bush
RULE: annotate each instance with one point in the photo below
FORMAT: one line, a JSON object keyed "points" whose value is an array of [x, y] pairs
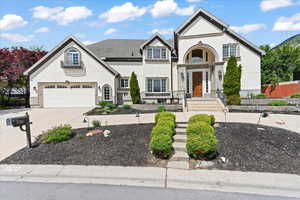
{"points": [[202, 146], [164, 115], [199, 128], [161, 146], [162, 130], [201, 118]]}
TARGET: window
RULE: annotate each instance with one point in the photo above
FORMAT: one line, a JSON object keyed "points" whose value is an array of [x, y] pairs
{"points": [[206, 82], [50, 86], [230, 50], [188, 82], [157, 53], [124, 83], [197, 56], [157, 85], [75, 86], [87, 86], [106, 93], [61, 86], [73, 57]]}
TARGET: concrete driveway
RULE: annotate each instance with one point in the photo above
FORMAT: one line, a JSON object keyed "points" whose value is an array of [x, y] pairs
{"points": [[12, 139]]}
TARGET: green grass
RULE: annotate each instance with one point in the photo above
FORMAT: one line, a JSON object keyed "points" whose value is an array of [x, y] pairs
{"points": [[278, 103]]}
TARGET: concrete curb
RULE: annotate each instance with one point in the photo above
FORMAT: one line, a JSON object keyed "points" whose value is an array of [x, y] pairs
{"points": [[218, 180]]}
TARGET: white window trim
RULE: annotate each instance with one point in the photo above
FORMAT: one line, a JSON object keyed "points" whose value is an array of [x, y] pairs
{"points": [[110, 92], [152, 54], [160, 79], [72, 52], [229, 50], [127, 83]]}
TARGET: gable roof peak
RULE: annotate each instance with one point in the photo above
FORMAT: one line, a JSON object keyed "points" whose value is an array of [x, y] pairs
{"points": [[159, 37]]}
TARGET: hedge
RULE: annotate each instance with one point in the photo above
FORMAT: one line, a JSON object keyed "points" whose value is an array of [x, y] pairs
{"points": [[201, 138], [164, 115], [297, 95], [278, 103], [210, 119], [161, 135]]}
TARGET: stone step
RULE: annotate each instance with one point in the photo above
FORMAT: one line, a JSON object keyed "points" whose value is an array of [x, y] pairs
{"points": [[179, 144], [181, 154], [177, 158], [180, 130], [203, 103], [205, 109], [178, 164], [179, 138], [182, 149], [181, 125]]}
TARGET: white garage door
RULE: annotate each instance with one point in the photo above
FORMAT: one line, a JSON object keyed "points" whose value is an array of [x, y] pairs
{"points": [[62, 95]]}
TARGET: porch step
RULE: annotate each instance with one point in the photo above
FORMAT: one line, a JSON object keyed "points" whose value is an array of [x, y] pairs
{"points": [[204, 105]]}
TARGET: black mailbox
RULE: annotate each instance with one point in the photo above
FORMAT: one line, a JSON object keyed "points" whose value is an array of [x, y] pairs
{"points": [[17, 121]]}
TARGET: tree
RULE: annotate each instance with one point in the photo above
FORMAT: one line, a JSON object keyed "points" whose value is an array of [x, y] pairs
{"points": [[280, 63], [232, 83], [13, 62], [134, 89]]}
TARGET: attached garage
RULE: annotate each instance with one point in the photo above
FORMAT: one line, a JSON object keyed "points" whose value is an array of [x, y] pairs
{"points": [[69, 95]]}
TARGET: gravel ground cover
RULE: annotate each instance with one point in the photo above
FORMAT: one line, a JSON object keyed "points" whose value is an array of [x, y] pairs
{"points": [[127, 145], [249, 147]]}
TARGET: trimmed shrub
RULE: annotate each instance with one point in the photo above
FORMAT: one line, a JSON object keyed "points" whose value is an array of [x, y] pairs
{"points": [[165, 115], [278, 103], [201, 118], [297, 95], [234, 100], [58, 134], [167, 122], [260, 96], [126, 106], [96, 123], [103, 104], [162, 130], [203, 145], [232, 77], [134, 89], [199, 128], [111, 106], [161, 109], [213, 119], [161, 145]]}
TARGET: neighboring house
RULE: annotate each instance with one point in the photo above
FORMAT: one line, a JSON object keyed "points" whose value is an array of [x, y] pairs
{"points": [[191, 65]]}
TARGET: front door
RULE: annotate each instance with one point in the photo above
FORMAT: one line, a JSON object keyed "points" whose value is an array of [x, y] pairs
{"points": [[197, 84]]}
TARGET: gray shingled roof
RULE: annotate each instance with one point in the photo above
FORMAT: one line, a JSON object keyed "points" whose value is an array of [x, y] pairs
{"points": [[118, 48]]}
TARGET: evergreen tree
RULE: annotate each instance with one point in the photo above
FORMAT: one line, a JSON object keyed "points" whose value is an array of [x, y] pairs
{"points": [[232, 78], [134, 89]]}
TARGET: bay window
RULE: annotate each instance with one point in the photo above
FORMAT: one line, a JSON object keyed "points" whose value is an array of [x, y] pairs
{"points": [[156, 85]]}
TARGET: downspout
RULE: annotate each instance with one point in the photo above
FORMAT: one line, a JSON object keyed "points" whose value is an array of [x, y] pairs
{"points": [[172, 95]]}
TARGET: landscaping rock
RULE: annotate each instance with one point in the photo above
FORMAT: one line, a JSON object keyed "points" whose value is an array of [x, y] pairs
{"points": [[204, 164]]}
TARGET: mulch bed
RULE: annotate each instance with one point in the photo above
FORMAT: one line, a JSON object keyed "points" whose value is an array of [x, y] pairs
{"points": [[127, 145], [120, 111], [249, 147]]}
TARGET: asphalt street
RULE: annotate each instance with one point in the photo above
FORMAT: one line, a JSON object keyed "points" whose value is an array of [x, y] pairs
{"points": [[58, 191]]}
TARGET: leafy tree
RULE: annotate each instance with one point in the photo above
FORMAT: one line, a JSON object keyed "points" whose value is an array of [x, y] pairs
{"points": [[134, 89], [13, 62], [280, 63], [232, 78]]}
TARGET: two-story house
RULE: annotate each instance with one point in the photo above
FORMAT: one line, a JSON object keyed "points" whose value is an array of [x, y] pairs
{"points": [[191, 65]]}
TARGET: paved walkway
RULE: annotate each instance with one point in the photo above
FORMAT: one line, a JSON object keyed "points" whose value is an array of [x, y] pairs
{"points": [[226, 181]]}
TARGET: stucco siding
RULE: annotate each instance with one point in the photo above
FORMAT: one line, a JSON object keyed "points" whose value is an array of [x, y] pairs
{"points": [[91, 71]]}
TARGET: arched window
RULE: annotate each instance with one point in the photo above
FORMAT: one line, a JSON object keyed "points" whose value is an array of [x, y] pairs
{"points": [[106, 93], [72, 57]]}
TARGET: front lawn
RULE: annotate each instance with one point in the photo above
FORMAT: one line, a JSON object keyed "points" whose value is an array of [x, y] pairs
{"points": [[126, 145]]}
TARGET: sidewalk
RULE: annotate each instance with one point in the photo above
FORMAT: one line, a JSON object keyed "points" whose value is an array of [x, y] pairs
{"points": [[226, 181]]}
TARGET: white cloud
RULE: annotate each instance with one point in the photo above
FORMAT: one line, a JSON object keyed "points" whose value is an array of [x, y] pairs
{"points": [[193, 1], [124, 12], [11, 21], [60, 15], [267, 5], [167, 31], [288, 23], [247, 28], [169, 7], [16, 37], [88, 42], [42, 30], [110, 31]]}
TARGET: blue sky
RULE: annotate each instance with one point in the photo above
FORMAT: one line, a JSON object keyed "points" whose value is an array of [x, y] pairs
{"points": [[47, 22]]}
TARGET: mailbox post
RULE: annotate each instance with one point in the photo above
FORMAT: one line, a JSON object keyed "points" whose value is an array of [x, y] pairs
{"points": [[24, 124]]}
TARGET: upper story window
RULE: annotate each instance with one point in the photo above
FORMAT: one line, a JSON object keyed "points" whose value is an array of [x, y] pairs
{"points": [[124, 83], [156, 53], [199, 56], [230, 50], [72, 57]]}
